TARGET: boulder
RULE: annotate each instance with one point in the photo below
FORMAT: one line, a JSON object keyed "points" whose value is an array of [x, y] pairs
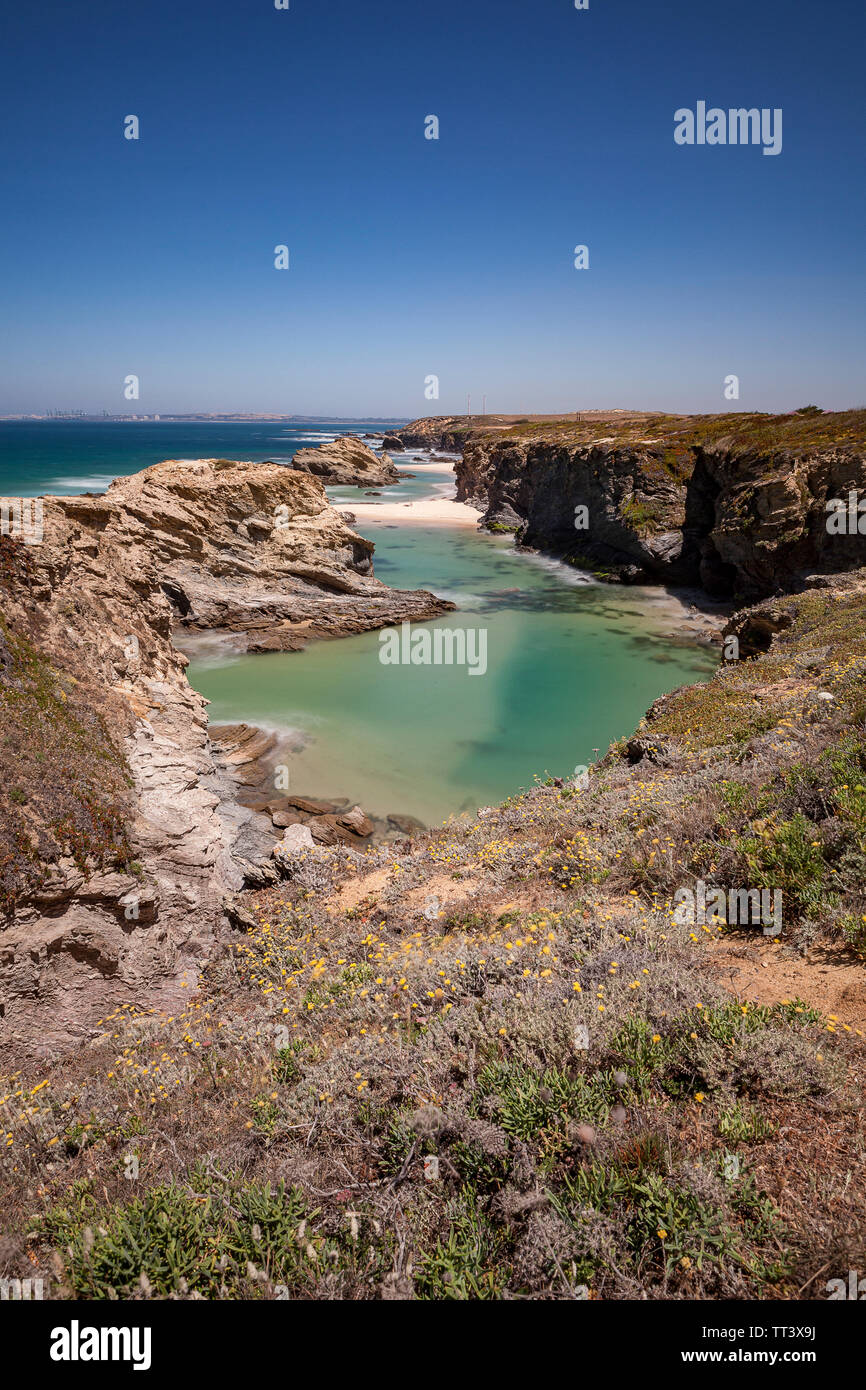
{"points": [[357, 821], [283, 819], [346, 460], [326, 831], [407, 825], [346, 829], [313, 806], [295, 837]]}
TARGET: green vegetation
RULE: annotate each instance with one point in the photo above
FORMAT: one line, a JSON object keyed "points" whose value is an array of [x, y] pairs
{"points": [[553, 1090], [642, 518], [213, 1236], [68, 786]]}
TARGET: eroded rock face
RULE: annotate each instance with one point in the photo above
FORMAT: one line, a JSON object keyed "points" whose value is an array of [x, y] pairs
{"points": [[347, 460], [768, 516], [255, 549], [745, 521], [635, 508], [431, 432], [252, 550]]}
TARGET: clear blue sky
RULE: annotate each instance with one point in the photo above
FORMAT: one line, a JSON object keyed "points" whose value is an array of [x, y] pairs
{"points": [[411, 257]]}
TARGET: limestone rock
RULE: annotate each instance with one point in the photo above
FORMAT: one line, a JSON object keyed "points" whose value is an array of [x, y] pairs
{"points": [[251, 553], [296, 837], [346, 460], [356, 821], [407, 825]]}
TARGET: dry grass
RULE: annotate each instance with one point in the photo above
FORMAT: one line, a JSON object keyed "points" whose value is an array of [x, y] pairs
{"points": [[433, 1004]]}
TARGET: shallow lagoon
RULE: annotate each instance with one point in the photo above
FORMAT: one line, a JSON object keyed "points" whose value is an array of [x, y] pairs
{"points": [[571, 665]]}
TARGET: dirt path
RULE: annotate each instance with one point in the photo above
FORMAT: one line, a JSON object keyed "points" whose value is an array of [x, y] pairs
{"points": [[829, 978]]}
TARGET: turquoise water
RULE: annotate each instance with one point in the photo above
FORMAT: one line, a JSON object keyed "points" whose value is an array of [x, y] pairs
{"points": [[571, 665]]}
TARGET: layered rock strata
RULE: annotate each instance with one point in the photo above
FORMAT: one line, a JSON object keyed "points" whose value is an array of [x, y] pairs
{"points": [[347, 460], [118, 893], [737, 505]]}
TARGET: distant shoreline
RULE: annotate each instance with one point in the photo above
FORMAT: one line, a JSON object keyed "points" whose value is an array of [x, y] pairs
{"points": [[203, 419]]}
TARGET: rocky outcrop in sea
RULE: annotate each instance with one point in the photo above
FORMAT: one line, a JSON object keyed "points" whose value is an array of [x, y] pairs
{"points": [[347, 460]]}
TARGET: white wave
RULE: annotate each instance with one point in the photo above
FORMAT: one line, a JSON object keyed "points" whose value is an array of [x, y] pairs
{"points": [[284, 732], [466, 602], [312, 438], [208, 650], [97, 483], [567, 574]]}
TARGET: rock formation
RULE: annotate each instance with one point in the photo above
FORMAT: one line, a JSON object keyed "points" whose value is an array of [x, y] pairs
{"points": [[737, 504], [432, 432], [346, 460], [121, 833]]}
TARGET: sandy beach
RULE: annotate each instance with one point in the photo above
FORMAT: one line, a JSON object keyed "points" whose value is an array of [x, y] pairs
{"points": [[424, 512], [433, 511], [407, 465]]}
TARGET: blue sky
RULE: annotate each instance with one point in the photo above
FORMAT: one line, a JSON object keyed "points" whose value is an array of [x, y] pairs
{"points": [[412, 257]]}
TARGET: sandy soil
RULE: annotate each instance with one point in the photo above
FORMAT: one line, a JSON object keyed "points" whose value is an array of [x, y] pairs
{"points": [[830, 978]]}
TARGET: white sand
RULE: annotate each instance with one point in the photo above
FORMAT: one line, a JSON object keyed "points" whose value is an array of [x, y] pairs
{"points": [[433, 511], [410, 466]]}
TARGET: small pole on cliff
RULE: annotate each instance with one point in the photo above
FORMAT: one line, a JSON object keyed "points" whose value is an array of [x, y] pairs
{"points": [[483, 407], [469, 408]]}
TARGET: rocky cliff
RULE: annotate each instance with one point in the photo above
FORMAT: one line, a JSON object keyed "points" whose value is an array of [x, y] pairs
{"points": [[431, 432], [737, 504], [121, 834]]}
